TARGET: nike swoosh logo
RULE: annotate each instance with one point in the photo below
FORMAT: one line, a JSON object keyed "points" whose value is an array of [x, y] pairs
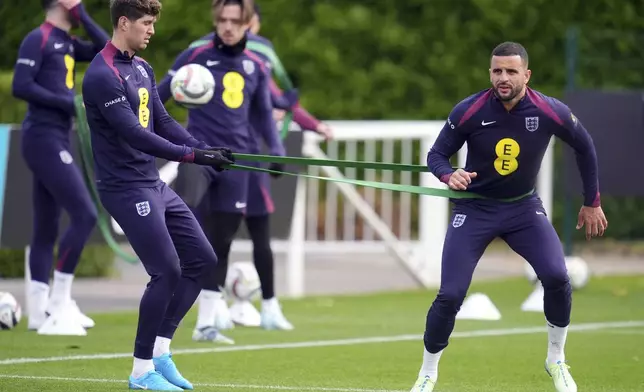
{"points": [[240, 205], [209, 156], [211, 63], [487, 123], [140, 386], [58, 46]]}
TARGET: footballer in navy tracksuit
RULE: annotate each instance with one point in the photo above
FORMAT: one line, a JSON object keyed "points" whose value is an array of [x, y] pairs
{"points": [[44, 77], [241, 92]]}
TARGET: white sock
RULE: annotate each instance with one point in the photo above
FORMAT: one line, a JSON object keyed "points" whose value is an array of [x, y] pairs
{"points": [[556, 342], [61, 289], [207, 308], [430, 364], [141, 366], [270, 303], [161, 346], [37, 303]]}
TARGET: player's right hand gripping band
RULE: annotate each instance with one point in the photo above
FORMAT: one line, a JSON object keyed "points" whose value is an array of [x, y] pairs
{"points": [[215, 157]]}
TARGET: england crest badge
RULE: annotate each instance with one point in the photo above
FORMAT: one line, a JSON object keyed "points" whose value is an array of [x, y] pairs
{"points": [[142, 70], [459, 219], [249, 66], [143, 208], [532, 123]]}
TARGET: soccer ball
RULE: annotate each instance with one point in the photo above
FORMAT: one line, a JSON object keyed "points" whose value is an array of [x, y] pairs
{"points": [[10, 312], [192, 85], [578, 272], [242, 281]]}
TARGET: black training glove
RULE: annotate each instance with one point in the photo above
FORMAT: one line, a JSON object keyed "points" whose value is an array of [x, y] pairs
{"points": [[216, 158], [225, 151], [276, 167]]}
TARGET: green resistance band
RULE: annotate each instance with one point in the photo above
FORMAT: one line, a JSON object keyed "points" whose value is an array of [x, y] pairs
{"points": [[419, 190], [298, 161], [415, 189], [87, 159], [281, 75]]}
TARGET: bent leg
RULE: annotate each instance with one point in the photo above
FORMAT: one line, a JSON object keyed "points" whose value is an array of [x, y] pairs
{"points": [[141, 214], [197, 258], [535, 239], [463, 247]]}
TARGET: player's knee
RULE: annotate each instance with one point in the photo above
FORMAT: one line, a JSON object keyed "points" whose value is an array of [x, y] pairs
{"points": [[202, 264], [449, 300], [209, 260], [171, 274], [555, 280], [85, 219]]}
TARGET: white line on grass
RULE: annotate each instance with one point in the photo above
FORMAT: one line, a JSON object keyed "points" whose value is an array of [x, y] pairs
{"points": [[238, 386], [329, 343]]}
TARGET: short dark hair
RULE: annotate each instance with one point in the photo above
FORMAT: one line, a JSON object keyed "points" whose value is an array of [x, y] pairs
{"points": [[47, 4], [511, 49], [133, 9], [247, 7]]}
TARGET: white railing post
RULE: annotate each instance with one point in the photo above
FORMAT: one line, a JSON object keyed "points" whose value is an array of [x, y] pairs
{"points": [[295, 268], [545, 179], [432, 224]]}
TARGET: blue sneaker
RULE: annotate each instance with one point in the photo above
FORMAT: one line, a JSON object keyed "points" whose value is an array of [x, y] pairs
{"points": [[166, 367], [152, 381]]}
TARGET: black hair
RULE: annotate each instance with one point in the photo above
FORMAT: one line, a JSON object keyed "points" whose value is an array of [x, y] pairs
{"points": [[247, 7], [511, 49], [133, 9]]}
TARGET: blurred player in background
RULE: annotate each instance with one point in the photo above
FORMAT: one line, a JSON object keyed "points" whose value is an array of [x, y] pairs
{"points": [[130, 127], [44, 77], [507, 129], [241, 96], [260, 205]]}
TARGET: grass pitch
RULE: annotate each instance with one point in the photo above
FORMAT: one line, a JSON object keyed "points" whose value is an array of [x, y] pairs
{"points": [[362, 343]]}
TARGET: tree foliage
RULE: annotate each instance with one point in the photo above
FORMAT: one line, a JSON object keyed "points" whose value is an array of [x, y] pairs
{"points": [[413, 59]]}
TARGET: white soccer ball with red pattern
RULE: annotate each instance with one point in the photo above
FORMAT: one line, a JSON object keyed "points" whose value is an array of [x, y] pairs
{"points": [[578, 271], [242, 281], [10, 312], [192, 85]]}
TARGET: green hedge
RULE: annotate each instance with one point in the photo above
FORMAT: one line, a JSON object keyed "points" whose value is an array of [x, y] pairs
{"points": [[415, 59], [96, 261]]}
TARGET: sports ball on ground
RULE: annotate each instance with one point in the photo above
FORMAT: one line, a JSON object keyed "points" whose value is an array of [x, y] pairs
{"points": [[10, 312], [242, 281]]}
